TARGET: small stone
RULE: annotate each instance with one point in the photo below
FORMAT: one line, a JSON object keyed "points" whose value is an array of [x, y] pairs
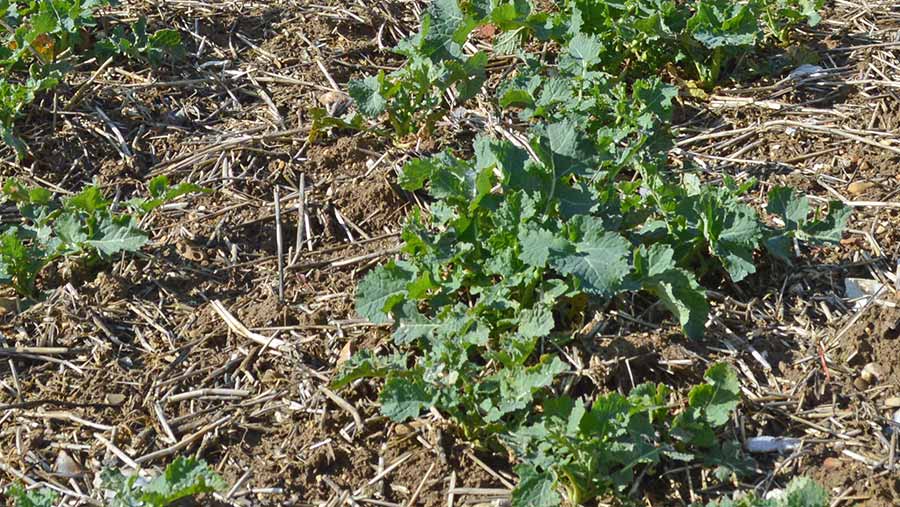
{"points": [[330, 97], [892, 402], [115, 399], [858, 187], [860, 384], [346, 353], [831, 463], [871, 373], [8, 306], [66, 466], [336, 103], [488, 31]]}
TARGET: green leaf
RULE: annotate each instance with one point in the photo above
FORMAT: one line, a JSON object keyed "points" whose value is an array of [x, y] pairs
{"points": [[810, 9], [536, 244], [508, 41], [799, 492], [118, 235], [19, 263], [729, 459], [792, 209], [70, 230], [16, 191], [404, 398], [779, 245], [381, 290], [448, 30], [416, 172], [519, 385], [14, 141], [89, 200], [166, 39], [468, 77], [43, 497], [182, 478], [535, 488], [158, 186], [161, 193], [599, 260], [536, 322], [365, 364], [125, 492], [830, 229], [735, 243], [804, 492], [321, 121], [676, 288], [581, 54], [411, 324], [719, 396], [43, 23], [367, 94], [719, 23]]}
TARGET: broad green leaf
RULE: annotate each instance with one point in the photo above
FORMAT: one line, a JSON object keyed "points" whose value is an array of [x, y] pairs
{"points": [[780, 245], [555, 90], [519, 385], [799, 492], [680, 293], [536, 244], [161, 193], [536, 322], [416, 172], [831, 228], [443, 30], [810, 9], [118, 235], [165, 39], [535, 488], [599, 261], [367, 94], [43, 23], [737, 260], [803, 492], [719, 396], [16, 190], [19, 263], [70, 230], [184, 477], [89, 200], [404, 398], [412, 325], [43, 497], [581, 54], [468, 77], [720, 23], [381, 290], [792, 209], [158, 186], [124, 490], [364, 364], [508, 41], [729, 459]]}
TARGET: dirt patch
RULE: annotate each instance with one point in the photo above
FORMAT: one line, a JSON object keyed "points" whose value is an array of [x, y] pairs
{"points": [[860, 485], [373, 204], [875, 339]]}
